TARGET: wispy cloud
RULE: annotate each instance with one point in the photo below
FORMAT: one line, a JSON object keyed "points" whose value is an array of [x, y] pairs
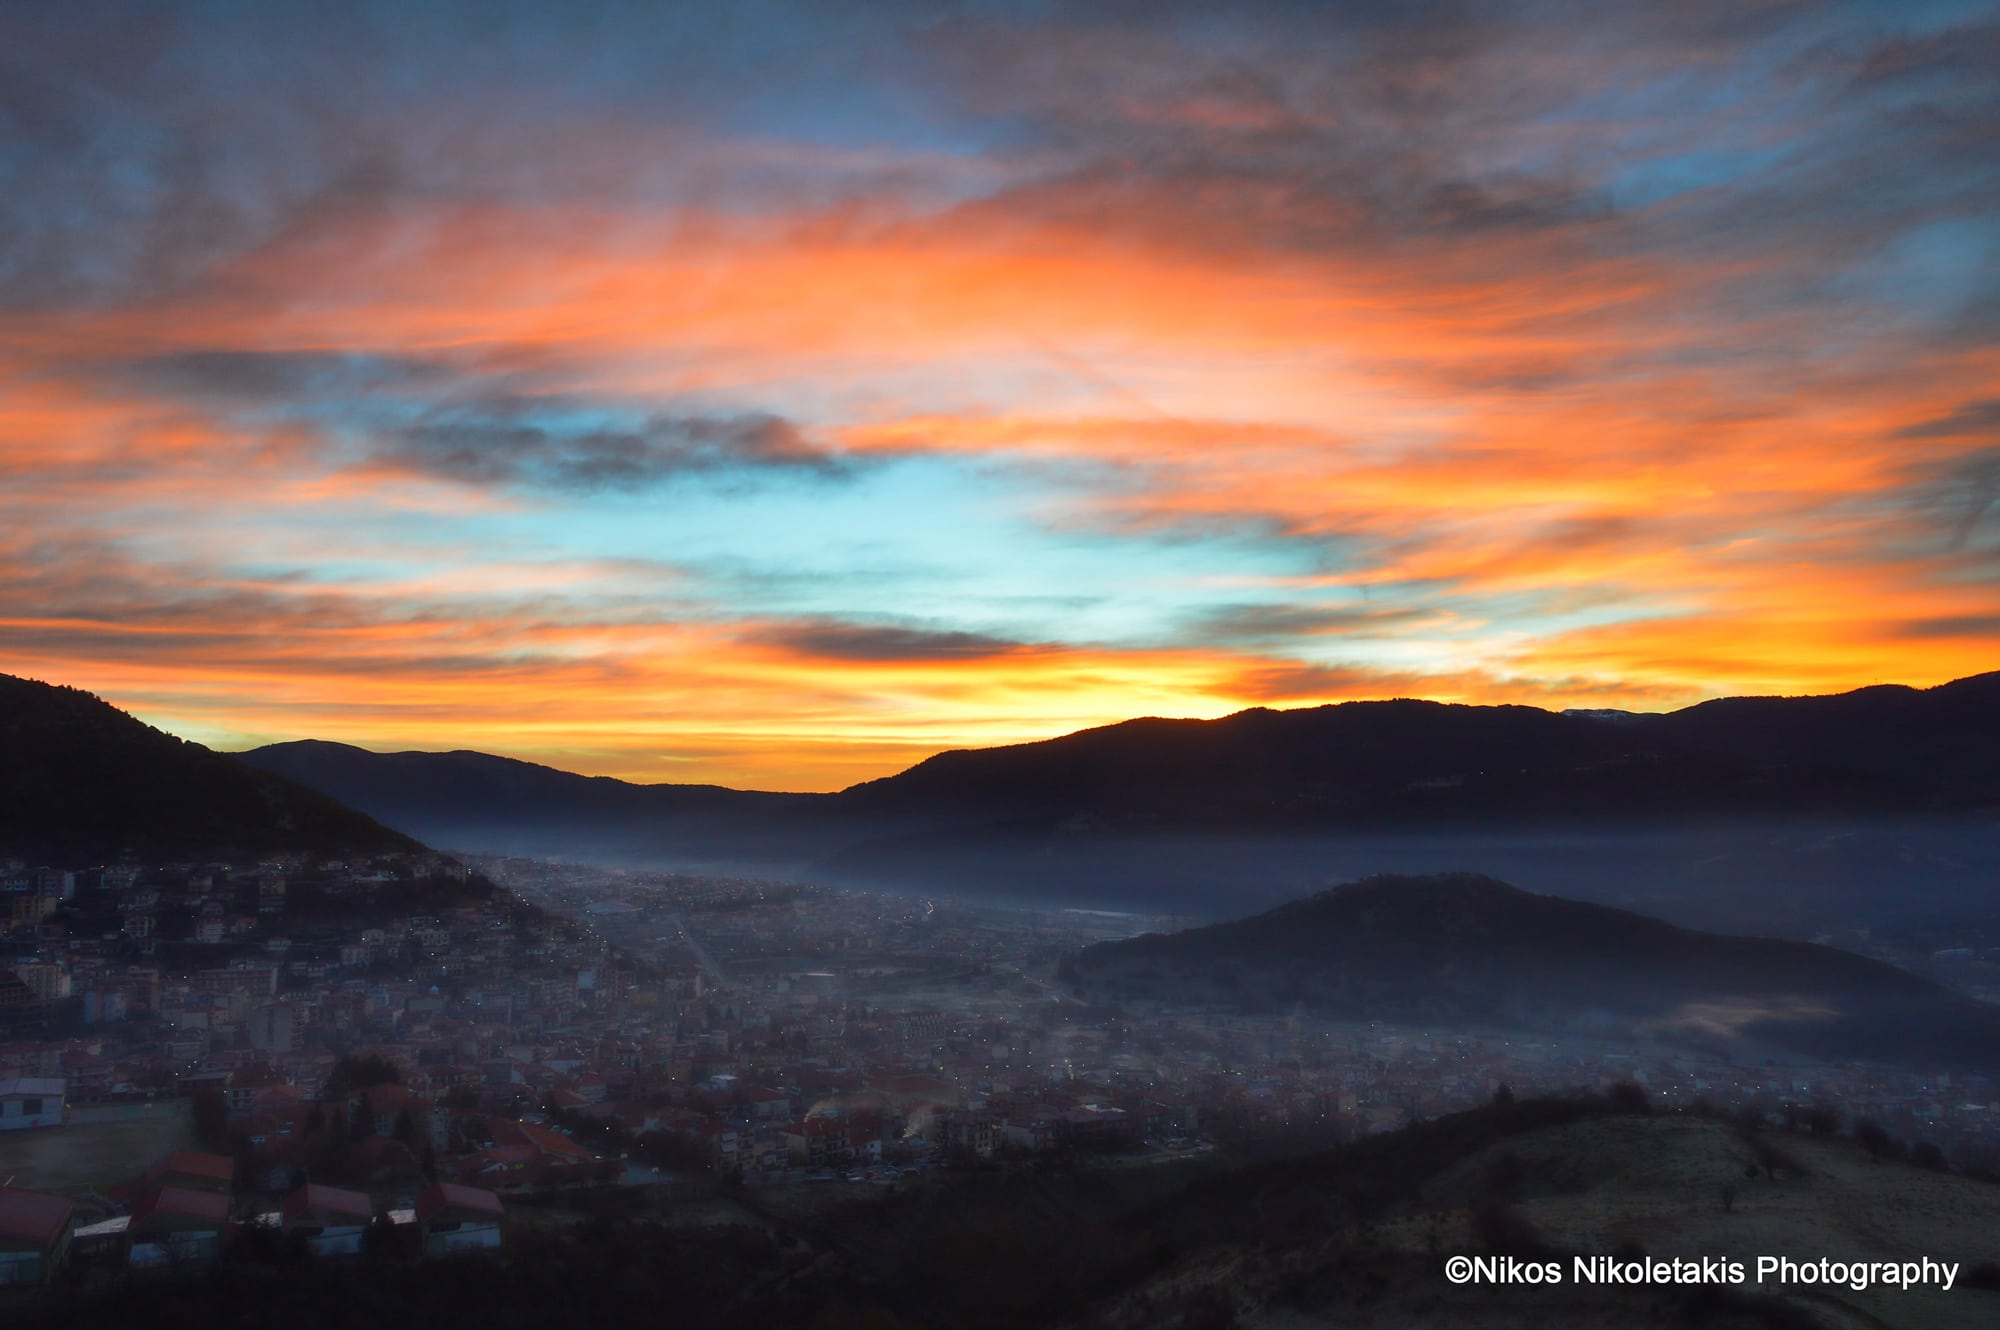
{"points": [[498, 450], [885, 643], [869, 380]]}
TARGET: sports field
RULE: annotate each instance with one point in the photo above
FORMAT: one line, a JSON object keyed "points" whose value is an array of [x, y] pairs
{"points": [[97, 1148]]}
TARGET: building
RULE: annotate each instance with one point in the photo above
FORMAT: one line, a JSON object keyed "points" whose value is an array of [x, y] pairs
{"points": [[32, 1101], [194, 1171], [459, 1219], [48, 980], [818, 1142], [332, 1220], [271, 1028], [15, 996], [177, 1226], [34, 1235], [104, 1005]]}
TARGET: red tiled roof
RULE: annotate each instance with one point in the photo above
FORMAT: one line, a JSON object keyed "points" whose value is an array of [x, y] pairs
{"points": [[452, 1196], [387, 1097], [510, 1154], [183, 1203], [327, 1200], [220, 1168], [32, 1216], [553, 1142]]}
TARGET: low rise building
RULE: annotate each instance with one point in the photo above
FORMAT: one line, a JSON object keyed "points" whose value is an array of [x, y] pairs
{"points": [[34, 1236], [32, 1101], [457, 1219]]}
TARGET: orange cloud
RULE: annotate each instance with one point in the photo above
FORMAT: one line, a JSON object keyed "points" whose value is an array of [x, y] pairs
{"points": [[1592, 479]]}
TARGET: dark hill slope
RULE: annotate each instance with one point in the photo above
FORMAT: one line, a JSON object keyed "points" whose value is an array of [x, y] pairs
{"points": [[1720, 815], [81, 781], [475, 801], [1943, 740], [1356, 765], [1880, 750], [1462, 948]]}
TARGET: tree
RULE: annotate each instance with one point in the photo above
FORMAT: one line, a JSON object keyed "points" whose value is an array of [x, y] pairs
{"points": [[1506, 1176], [406, 1128], [1629, 1097], [378, 1242], [359, 1072], [362, 1124], [1925, 1154], [1503, 1096], [1874, 1138], [1823, 1120], [211, 1119]]}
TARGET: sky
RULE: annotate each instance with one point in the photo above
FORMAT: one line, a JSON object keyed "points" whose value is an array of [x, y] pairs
{"points": [[775, 394]]}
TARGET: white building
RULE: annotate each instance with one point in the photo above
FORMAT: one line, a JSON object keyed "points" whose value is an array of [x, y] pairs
{"points": [[271, 1028], [31, 1102]]}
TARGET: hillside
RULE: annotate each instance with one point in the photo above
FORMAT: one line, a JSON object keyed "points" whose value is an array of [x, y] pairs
{"points": [[475, 801], [1938, 740], [1359, 1236], [1886, 750], [81, 781], [1353, 1236], [1023, 812], [1795, 817], [1466, 949]]}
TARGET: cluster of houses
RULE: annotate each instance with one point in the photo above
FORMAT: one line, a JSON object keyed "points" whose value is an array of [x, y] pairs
{"points": [[186, 1214]]}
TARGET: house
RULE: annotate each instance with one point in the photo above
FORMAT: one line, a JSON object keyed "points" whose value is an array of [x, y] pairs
{"points": [[34, 1236], [31, 1101], [385, 1103], [177, 1226], [503, 1166], [193, 1171], [333, 1220], [818, 1142], [459, 1219], [247, 1085], [972, 1133], [1032, 1130]]}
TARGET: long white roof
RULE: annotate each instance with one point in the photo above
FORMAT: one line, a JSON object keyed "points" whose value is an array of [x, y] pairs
{"points": [[34, 1085]]}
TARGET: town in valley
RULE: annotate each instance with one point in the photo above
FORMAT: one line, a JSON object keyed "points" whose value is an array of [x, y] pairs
{"points": [[341, 1045]]}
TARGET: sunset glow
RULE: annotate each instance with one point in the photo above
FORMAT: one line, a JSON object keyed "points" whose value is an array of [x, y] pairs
{"points": [[776, 399]]}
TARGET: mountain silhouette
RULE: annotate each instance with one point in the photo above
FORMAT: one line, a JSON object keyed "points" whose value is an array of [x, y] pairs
{"points": [[1717, 815], [1879, 750], [82, 781]]}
